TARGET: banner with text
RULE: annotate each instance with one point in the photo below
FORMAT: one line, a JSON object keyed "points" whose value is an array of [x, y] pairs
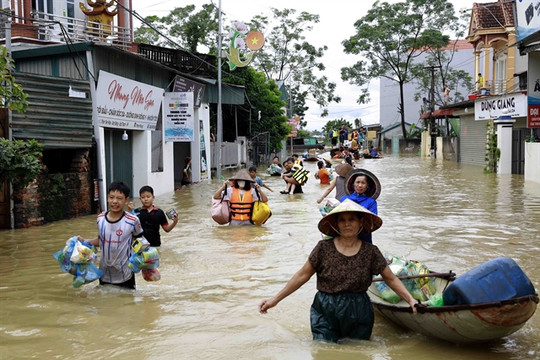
{"points": [[126, 104], [533, 86], [491, 107], [178, 116], [185, 85]]}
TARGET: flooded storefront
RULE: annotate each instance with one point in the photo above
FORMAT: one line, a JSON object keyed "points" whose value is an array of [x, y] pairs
{"points": [[448, 215]]}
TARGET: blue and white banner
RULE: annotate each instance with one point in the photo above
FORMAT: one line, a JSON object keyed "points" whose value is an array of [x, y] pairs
{"points": [[178, 116]]}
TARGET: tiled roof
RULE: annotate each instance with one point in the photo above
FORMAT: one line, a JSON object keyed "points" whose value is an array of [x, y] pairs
{"points": [[493, 15], [458, 45]]}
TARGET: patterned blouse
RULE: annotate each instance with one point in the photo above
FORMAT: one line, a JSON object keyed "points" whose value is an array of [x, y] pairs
{"points": [[338, 273]]}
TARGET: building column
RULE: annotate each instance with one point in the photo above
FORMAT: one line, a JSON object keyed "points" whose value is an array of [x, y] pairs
{"points": [[504, 125]]}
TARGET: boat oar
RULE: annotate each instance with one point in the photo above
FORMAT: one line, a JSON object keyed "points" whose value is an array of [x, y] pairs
{"points": [[448, 275]]}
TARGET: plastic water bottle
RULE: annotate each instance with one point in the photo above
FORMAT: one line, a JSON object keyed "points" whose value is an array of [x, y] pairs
{"points": [[387, 293]]}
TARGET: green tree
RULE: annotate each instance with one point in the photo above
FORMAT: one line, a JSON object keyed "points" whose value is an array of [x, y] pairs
{"points": [[390, 37], [188, 28], [19, 160], [459, 81], [288, 57], [12, 95], [264, 97]]}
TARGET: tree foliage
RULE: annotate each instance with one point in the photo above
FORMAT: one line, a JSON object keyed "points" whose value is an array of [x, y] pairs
{"points": [[12, 95], [390, 37], [19, 160], [287, 56], [459, 81], [190, 29], [265, 97]]}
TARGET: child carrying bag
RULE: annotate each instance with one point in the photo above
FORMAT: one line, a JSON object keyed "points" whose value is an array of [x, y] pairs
{"points": [[220, 209], [261, 211]]}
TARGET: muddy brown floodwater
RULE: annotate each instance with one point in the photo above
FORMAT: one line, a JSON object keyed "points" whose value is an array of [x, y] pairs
{"points": [[447, 215]]}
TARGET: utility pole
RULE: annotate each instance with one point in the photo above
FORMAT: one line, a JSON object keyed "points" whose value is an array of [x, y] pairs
{"points": [[219, 113], [432, 126]]}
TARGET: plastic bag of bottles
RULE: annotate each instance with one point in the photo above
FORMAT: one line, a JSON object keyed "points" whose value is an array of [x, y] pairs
{"points": [[328, 205], [77, 258], [85, 273], [420, 288], [146, 259]]}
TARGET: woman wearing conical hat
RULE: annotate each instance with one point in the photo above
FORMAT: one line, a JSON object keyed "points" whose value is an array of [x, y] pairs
{"points": [[345, 266]]}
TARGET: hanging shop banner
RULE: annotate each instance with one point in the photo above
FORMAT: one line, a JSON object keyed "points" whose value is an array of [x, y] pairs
{"points": [[178, 116], [491, 107], [533, 86], [528, 18], [203, 150], [185, 85], [126, 104]]}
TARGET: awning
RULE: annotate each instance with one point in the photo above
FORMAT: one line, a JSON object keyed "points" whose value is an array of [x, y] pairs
{"points": [[439, 113]]}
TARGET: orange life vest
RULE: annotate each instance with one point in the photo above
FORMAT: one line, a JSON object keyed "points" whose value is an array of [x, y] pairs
{"points": [[241, 207]]}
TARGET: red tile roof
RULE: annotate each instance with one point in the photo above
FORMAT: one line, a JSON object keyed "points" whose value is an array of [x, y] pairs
{"points": [[493, 15]]}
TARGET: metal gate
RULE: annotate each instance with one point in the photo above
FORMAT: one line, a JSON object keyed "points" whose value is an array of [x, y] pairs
{"points": [[518, 150], [260, 149]]}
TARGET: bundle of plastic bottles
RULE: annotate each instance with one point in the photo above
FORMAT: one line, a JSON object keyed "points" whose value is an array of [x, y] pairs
{"points": [[77, 258], [328, 205], [421, 288], [145, 259]]}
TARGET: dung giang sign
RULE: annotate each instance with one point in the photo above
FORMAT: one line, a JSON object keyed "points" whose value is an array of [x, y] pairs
{"points": [[491, 107], [126, 104]]}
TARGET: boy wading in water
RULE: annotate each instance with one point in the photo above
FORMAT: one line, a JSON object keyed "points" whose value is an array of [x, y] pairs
{"points": [[152, 217], [116, 231]]}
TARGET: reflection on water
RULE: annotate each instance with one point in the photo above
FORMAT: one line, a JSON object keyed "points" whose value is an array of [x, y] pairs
{"points": [[450, 216]]}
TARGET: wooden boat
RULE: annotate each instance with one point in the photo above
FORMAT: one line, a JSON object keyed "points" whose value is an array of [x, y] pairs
{"points": [[458, 323]]}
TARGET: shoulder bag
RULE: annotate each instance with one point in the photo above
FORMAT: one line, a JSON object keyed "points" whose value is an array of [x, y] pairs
{"points": [[220, 209]]}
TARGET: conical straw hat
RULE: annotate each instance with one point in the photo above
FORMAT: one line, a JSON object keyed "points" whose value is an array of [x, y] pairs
{"points": [[370, 221]]}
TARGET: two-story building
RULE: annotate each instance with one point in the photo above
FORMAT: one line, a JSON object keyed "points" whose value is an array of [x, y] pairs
{"points": [[501, 93]]}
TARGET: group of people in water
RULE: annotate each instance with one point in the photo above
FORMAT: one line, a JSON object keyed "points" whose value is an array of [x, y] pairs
{"points": [[345, 261]]}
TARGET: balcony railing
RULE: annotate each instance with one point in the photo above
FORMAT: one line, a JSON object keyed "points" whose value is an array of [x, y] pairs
{"points": [[78, 30]]}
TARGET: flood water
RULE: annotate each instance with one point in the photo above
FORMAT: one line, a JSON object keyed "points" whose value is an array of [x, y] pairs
{"points": [[447, 215]]}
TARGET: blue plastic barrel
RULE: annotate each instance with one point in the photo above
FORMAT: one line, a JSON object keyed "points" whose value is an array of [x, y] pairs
{"points": [[496, 280]]}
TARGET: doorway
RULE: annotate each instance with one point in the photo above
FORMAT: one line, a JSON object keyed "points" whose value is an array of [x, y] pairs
{"points": [[118, 157]]}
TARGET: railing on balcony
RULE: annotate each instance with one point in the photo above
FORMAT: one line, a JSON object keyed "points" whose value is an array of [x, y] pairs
{"points": [[65, 29], [497, 87], [194, 64]]}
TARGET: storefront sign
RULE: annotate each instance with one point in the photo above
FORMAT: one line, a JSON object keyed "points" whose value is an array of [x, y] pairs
{"points": [[178, 116], [491, 107], [126, 104], [185, 85], [528, 18], [533, 120]]}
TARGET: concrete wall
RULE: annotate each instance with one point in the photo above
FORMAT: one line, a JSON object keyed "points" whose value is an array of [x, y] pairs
{"points": [[532, 162]]}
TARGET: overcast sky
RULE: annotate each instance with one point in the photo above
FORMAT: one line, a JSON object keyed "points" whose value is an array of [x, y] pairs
{"points": [[337, 18]]}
